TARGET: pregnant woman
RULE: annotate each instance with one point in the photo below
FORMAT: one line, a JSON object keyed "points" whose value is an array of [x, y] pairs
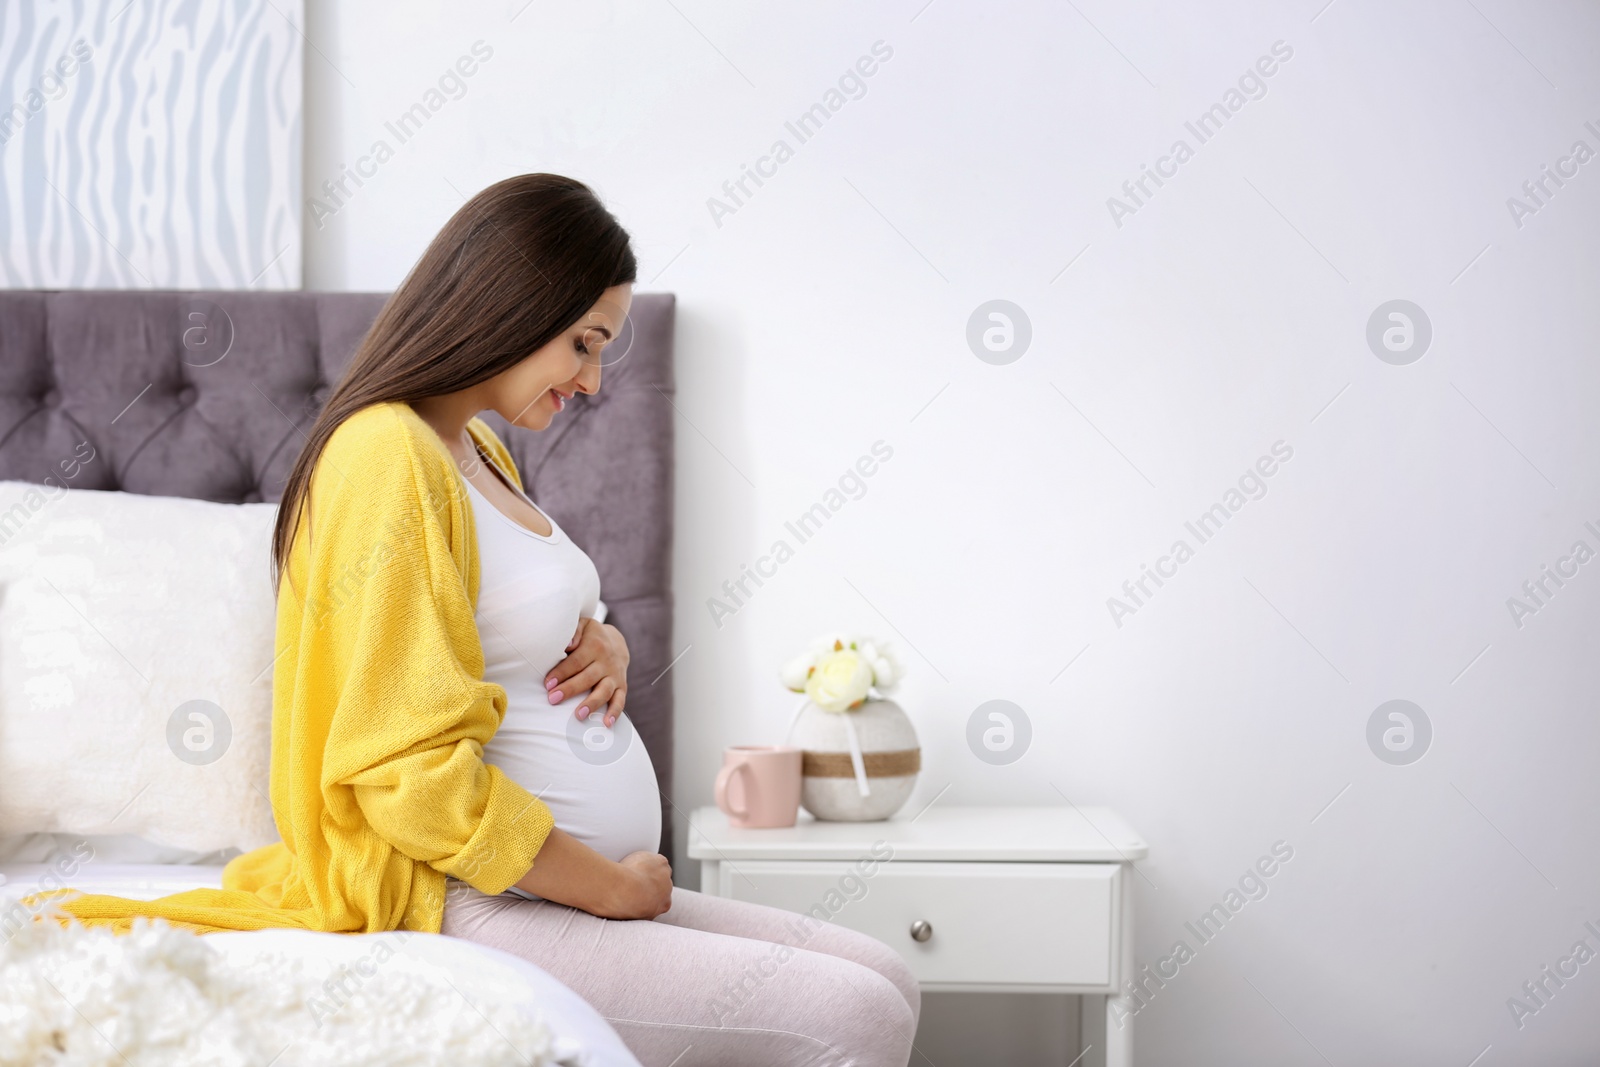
{"points": [[440, 639]]}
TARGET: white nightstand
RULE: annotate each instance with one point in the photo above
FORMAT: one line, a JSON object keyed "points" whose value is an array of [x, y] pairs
{"points": [[1004, 900]]}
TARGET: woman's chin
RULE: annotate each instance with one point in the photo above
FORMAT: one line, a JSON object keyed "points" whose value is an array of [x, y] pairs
{"points": [[535, 418]]}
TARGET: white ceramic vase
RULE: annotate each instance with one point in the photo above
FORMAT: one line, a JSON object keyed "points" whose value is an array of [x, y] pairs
{"points": [[890, 756]]}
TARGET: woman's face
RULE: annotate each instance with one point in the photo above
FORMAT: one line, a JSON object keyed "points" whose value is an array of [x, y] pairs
{"points": [[530, 393]]}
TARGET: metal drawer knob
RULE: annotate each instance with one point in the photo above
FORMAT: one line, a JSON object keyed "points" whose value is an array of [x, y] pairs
{"points": [[921, 931]]}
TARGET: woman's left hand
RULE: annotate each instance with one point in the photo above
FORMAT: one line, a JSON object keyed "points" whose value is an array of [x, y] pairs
{"points": [[596, 661]]}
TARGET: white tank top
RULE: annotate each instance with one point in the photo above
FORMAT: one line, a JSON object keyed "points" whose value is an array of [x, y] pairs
{"points": [[598, 781]]}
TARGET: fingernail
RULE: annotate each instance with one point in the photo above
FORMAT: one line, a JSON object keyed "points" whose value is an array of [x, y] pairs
{"points": [[555, 698], [583, 713], [549, 683], [610, 719]]}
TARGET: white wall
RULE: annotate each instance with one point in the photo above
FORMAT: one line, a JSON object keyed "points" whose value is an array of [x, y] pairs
{"points": [[1228, 313]]}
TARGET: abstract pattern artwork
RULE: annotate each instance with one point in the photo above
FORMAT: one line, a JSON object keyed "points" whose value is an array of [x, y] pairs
{"points": [[150, 144]]}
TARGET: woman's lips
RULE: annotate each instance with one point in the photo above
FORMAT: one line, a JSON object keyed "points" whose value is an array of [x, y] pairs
{"points": [[556, 399]]}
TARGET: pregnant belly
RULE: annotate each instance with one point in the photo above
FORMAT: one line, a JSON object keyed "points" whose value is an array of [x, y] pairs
{"points": [[598, 781]]}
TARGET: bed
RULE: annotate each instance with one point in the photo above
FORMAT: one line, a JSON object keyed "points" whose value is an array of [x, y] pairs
{"points": [[201, 396]]}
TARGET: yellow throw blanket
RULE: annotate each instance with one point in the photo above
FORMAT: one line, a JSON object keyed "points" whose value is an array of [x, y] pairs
{"points": [[379, 708]]}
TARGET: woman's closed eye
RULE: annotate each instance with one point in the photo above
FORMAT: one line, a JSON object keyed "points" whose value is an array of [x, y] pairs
{"points": [[592, 341]]}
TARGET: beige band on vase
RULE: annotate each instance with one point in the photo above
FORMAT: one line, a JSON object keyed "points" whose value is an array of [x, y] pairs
{"points": [[895, 764]]}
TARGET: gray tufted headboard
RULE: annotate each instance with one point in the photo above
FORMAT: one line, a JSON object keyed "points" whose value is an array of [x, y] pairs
{"points": [[200, 395]]}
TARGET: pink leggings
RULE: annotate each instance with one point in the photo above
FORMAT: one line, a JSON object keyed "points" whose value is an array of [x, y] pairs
{"points": [[713, 981]]}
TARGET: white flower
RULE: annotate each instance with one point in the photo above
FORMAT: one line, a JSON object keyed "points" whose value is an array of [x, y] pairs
{"points": [[830, 642], [795, 671], [840, 681], [886, 669], [877, 660]]}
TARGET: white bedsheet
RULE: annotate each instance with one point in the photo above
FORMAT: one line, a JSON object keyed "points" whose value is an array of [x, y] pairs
{"points": [[137, 881], [481, 973]]}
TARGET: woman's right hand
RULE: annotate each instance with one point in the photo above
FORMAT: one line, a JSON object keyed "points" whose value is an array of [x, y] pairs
{"points": [[644, 888], [569, 872]]}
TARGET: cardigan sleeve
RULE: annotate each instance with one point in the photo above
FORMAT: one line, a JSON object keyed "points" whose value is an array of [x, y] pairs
{"points": [[398, 660]]}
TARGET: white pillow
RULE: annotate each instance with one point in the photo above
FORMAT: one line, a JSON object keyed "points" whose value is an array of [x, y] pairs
{"points": [[136, 638]]}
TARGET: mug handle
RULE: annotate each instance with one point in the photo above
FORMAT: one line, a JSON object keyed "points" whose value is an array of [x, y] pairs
{"points": [[724, 801]]}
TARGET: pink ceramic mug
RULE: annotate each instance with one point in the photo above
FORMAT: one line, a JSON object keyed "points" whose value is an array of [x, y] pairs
{"points": [[759, 785]]}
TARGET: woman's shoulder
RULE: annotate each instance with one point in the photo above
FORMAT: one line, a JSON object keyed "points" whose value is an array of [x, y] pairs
{"points": [[383, 440], [385, 444], [389, 422], [385, 432]]}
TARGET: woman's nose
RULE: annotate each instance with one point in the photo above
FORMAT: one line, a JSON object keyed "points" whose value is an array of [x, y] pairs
{"points": [[588, 379]]}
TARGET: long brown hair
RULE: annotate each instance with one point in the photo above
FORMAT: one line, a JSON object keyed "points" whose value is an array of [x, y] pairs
{"points": [[516, 266]]}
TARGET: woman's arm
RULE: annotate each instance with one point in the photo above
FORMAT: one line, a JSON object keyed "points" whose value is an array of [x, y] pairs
{"points": [[567, 871]]}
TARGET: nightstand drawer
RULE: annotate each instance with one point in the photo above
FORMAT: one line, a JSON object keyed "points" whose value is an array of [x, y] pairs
{"points": [[991, 924]]}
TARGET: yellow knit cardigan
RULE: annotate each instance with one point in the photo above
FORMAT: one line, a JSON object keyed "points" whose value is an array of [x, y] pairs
{"points": [[379, 708]]}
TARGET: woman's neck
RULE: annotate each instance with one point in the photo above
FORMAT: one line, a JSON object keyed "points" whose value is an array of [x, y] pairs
{"points": [[448, 415]]}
